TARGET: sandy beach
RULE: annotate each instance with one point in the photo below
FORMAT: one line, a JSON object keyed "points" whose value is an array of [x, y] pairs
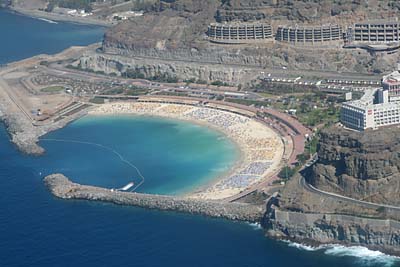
{"points": [[261, 148]]}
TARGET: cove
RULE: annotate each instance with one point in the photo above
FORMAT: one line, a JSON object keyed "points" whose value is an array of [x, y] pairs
{"points": [[37, 229], [173, 156]]}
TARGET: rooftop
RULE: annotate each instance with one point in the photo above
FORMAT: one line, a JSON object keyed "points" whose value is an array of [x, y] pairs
{"points": [[393, 20], [392, 78]]}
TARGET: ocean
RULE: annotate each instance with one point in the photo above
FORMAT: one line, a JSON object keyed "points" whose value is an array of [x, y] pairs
{"points": [[37, 229]]}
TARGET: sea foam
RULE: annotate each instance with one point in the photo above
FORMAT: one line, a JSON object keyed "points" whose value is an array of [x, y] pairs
{"points": [[255, 226], [362, 255]]}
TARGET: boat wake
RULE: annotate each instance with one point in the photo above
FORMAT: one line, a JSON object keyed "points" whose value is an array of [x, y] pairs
{"points": [[48, 21], [362, 255]]}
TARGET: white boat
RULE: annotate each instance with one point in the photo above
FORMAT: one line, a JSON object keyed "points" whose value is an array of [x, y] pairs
{"points": [[127, 187]]}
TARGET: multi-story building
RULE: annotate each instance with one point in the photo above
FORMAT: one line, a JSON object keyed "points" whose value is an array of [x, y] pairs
{"points": [[391, 82], [238, 32], [311, 35], [377, 108], [379, 31]]}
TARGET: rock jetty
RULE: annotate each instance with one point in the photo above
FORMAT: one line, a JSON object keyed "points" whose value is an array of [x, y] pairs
{"points": [[62, 187]]}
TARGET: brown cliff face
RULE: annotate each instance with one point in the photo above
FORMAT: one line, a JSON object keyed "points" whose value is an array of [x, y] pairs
{"points": [[176, 30], [359, 165]]}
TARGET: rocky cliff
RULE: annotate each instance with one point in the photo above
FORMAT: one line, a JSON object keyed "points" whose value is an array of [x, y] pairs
{"points": [[317, 228], [306, 216], [175, 31], [363, 165]]}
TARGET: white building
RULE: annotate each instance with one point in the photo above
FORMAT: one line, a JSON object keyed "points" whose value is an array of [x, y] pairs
{"points": [[391, 82], [377, 108]]}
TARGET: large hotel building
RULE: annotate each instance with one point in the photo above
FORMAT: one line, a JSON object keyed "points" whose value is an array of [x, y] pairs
{"points": [[377, 108]]}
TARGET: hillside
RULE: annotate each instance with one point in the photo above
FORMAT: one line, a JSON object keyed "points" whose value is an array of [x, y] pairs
{"points": [[359, 165]]}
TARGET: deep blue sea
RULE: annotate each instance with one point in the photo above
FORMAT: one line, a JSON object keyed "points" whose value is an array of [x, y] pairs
{"points": [[37, 229]]}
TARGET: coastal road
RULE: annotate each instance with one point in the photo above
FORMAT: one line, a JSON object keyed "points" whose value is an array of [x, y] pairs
{"points": [[303, 184]]}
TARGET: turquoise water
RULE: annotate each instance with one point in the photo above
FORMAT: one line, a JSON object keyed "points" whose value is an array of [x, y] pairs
{"points": [[37, 229], [186, 155]]}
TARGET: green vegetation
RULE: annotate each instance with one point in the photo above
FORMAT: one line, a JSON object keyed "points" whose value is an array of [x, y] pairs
{"points": [[136, 73], [311, 146], [318, 116], [44, 63], [219, 83], [312, 109], [201, 81], [282, 88], [302, 158], [87, 70], [172, 94], [52, 89], [136, 91], [188, 81], [133, 74], [247, 102], [286, 173], [97, 100], [310, 149], [164, 78], [114, 91]]}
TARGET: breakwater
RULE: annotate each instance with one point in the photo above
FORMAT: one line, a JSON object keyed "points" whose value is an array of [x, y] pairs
{"points": [[60, 186]]}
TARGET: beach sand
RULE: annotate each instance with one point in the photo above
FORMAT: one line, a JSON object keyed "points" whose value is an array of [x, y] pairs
{"points": [[261, 148]]}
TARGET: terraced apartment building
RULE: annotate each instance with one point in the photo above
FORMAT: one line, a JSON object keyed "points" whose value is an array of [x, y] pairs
{"points": [[379, 31], [237, 33], [377, 35], [318, 34]]}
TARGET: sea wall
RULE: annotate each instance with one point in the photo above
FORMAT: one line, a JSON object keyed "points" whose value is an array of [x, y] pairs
{"points": [[62, 187], [320, 228]]}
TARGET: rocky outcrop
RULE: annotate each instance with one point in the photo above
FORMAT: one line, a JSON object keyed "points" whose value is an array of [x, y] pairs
{"points": [[5, 3], [359, 165], [320, 228], [62, 187], [306, 216]]}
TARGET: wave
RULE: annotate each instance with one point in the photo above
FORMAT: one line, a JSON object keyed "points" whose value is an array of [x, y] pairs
{"points": [[47, 20], [255, 226], [302, 246], [363, 255]]}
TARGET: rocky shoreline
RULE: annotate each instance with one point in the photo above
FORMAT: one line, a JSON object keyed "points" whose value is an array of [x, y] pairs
{"points": [[61, 187], [25, 135], [320, 229]]}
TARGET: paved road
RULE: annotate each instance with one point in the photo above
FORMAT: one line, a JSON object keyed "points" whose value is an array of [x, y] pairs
{"points": [[303, 183]]}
